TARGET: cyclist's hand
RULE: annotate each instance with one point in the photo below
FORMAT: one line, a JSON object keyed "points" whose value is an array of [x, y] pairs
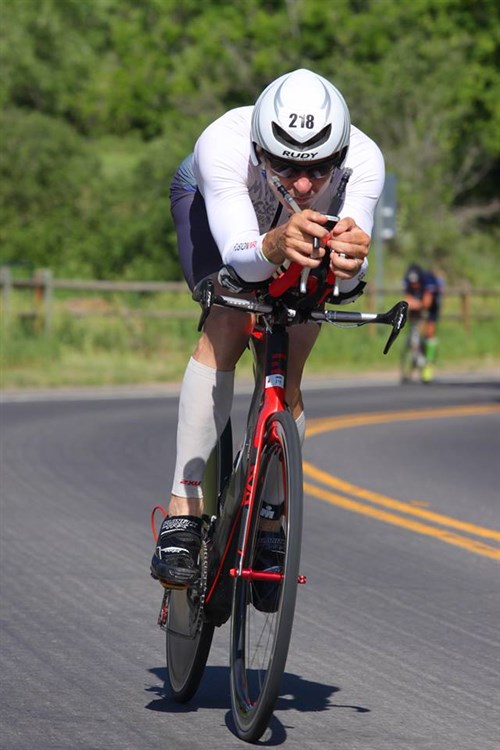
{"points": [[349, 245], [414, 303], [294, 240]]}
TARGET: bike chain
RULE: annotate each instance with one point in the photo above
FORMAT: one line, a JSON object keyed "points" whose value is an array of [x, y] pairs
{"points": [[202, 585], [163, 616]]}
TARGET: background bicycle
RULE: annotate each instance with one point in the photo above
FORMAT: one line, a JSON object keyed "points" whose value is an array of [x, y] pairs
{"points": [[412, 354]]}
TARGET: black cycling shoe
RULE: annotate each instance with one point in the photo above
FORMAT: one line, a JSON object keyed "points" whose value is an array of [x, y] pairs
{"points": [[269, 557], [175, 560]]}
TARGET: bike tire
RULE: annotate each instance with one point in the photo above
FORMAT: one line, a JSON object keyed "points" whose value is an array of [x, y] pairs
{"points": [[409, 359], [406, 366], [188, 645], [260, 640], [188, 636]]}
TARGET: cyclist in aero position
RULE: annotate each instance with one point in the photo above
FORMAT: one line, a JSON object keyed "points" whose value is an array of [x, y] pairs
{"points": [[423, 291], [227, 210]]}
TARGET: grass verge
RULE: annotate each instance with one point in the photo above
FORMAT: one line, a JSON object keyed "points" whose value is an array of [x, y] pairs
{"points": [[93, 351]]}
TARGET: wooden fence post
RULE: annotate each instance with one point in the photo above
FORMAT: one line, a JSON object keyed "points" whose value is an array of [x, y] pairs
{"points": [[48, 299], [6, 282], [37, 300], [43, 294], [465, 306]]}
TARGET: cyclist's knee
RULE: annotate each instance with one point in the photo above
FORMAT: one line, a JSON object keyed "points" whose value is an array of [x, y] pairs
{"points": [[224, 338], [294, 400]]}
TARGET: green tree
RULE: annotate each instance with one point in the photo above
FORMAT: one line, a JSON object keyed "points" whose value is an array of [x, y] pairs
{"points": [[420, 78], [47, 188]]}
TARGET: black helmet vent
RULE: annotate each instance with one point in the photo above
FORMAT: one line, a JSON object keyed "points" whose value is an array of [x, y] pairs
{"points": [[316, 140]]}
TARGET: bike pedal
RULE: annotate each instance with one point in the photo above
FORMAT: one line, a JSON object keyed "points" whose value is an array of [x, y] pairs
{"points": [[172, 586]]}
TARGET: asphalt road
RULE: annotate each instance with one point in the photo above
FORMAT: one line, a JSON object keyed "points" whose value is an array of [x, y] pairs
{"points": [[396, 636]]}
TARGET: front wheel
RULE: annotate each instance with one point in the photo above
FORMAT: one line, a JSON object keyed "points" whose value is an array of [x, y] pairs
{"points": [[262, 611]]}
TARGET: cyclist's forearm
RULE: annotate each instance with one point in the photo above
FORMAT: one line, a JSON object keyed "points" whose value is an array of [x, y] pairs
{"points": [[427, 300], [413, 303], [273, 245], [248, 259]]}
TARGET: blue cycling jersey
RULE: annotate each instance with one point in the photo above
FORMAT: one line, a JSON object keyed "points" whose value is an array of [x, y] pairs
{"points": [[427, 282]]}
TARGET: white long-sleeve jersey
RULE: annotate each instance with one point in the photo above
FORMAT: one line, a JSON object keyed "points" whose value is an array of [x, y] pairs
{"points": [[241, 206]]}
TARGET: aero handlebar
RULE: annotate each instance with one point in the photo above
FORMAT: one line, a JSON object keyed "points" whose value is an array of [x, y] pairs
{"points": [[278, 311]]}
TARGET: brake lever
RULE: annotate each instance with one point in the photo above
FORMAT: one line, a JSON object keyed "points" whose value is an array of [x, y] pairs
{"points": [[396, 317], [204, 294], [306, 271], [315, 255]]}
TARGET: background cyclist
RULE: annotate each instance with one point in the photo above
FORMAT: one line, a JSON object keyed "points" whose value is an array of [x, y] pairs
{"points": [[226, 210], [423, 292]]}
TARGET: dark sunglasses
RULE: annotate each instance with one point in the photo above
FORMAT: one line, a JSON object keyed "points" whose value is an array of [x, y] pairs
{"points": [[290, 170]]}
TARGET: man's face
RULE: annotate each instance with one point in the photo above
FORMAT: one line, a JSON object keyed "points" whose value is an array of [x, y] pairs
{"points": [[304, 188], [302, 181]]}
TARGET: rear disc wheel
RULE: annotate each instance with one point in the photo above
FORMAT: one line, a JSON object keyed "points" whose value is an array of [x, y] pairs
{"points": [[189, 637], [188, 640]]}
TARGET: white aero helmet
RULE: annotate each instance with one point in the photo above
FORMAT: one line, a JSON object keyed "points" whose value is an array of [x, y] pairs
{"points": [[302, 117]]}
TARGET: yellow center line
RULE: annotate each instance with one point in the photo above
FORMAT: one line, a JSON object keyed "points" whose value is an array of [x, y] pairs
{"points": [[473, 545], [334, 423], [389, 502], [317, 426]]}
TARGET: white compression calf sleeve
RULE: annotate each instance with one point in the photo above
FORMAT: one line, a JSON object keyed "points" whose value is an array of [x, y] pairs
{"points": [[301, 426], [204, 408]]}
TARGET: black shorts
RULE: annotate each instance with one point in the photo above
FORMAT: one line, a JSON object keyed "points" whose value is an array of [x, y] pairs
{"points": [[198, 254], [434, 309]]}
